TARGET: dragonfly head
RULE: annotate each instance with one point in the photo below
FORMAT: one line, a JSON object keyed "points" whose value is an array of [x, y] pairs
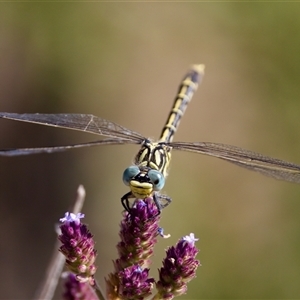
{"points": [[143, 181]]}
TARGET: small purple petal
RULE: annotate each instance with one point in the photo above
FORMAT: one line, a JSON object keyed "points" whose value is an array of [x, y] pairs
{"points": [[141, 203], [190, 239], [70, 217], [161, 233]]}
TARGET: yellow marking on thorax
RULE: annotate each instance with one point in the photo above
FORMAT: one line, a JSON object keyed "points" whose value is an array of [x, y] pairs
{"points": [[154, 156]]}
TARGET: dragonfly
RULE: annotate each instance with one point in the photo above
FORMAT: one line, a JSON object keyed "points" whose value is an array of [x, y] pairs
{"points": [[146, 177]]}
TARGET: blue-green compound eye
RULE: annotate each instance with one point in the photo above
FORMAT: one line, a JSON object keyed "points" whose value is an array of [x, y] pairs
{"points": [[129, 173], [157, 179]]}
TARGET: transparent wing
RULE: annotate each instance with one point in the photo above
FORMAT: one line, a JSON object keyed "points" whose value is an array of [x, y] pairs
{"points": [[268, 166], [27, 151], [81, 122]]}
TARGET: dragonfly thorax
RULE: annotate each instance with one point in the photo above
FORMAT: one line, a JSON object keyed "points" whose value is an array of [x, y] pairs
{"points": [[154, 155]]}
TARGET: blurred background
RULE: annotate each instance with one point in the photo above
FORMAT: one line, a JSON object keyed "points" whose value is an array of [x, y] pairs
{"points": [[124, 62]]}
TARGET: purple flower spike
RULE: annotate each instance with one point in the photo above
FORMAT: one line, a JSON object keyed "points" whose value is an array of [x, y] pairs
{"points": [[138, 233], [134, 283], [179, 267], [78, 247]]}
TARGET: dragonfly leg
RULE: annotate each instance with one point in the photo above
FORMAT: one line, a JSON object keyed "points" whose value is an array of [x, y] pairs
{"points": [[167, 201], [125, 201], [161, 201], [157, 198]]}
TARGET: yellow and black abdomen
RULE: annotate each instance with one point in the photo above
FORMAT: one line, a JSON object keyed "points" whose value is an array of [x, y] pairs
{"points": [[185, 92]]}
